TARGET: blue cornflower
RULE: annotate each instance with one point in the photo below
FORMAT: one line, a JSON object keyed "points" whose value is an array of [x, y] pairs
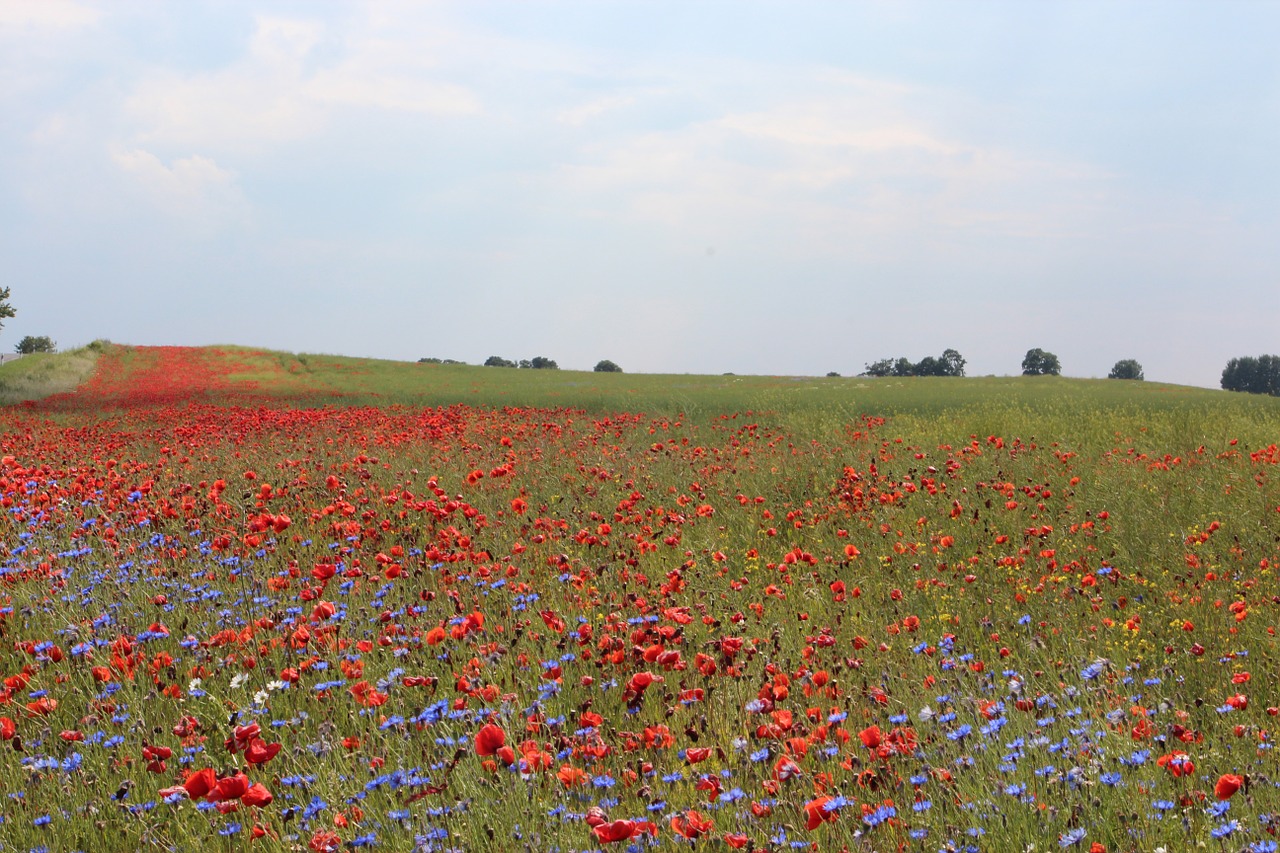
{"points": [[835, 804], [1071, 837], [880, 815]]}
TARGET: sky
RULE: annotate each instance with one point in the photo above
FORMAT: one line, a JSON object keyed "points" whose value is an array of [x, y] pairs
{"points": [[783, 188]]}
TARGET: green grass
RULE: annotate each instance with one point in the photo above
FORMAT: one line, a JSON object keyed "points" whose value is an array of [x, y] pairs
{"points": [[40, 375]]}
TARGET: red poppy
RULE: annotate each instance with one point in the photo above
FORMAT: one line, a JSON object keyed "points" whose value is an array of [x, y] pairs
{"points": [[691, 824], [324, 841], [490, 739], [229, 788], [200, 783], [257, 795], [1228, 784], [623, 830], [815, 814], [870, 737], [260, 752], [1178, 763], [786, 768]]}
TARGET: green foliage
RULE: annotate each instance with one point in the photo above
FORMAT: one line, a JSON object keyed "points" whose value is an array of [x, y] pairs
{"points": [[6, 310], [950, 363], [1126, 369], [539, 362], [31, 344], [606, 366], [498, 361], [1037, 362], [1260, 375]]}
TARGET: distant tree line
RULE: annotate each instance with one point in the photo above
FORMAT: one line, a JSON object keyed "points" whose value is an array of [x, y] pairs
{"points": [[432, 360], [950, 363], [538, 362], [1253, 375]]}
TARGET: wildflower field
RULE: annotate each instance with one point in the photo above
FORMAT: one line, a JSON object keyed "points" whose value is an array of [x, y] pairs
{"points": [[255, 601]]}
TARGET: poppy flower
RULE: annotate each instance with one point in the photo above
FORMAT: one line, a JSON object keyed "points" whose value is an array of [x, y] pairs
{"points": [[571, 776], [200, 783], [229, 788], [697, 754], [257, 795], [786, 768], [260, 752], [691, 824], [1228, 784], [490, 739], [638, 684], [622, 830], [816, 815], [324, 841], [1177, 763]]}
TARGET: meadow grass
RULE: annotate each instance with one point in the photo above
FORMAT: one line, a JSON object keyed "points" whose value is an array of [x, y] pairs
{"points": [[40, 375], [1029, 592]]}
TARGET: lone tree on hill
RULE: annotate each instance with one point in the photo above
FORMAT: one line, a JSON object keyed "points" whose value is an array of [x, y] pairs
{"points": [[498, 361], [1040, 363], [31, 344], [1126, 369], [607, 366], [540, 362]]}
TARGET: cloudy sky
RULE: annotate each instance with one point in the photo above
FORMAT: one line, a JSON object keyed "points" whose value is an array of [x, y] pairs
{"points": [[756, 187]]}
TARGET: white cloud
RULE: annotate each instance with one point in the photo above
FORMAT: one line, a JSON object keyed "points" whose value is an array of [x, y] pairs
{"points": [[581, 114], [55, 14], [286, 88], [194, 188], [852, 167]]}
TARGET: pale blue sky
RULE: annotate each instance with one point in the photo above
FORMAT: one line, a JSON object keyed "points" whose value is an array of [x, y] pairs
{"points": [[782, 188]]}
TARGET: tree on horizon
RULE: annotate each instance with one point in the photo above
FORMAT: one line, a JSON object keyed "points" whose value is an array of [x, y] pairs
{"points": [[1037, 362]]}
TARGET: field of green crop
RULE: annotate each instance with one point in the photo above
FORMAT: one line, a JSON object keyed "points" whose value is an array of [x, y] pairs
{"points": [[255, 600]]}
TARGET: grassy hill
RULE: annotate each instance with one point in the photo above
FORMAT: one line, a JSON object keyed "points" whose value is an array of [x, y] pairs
{"points": [[1077, 411]]}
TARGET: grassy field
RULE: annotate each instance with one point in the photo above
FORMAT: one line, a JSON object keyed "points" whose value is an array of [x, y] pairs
{"points": [[266, 601], [40, 375]]}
